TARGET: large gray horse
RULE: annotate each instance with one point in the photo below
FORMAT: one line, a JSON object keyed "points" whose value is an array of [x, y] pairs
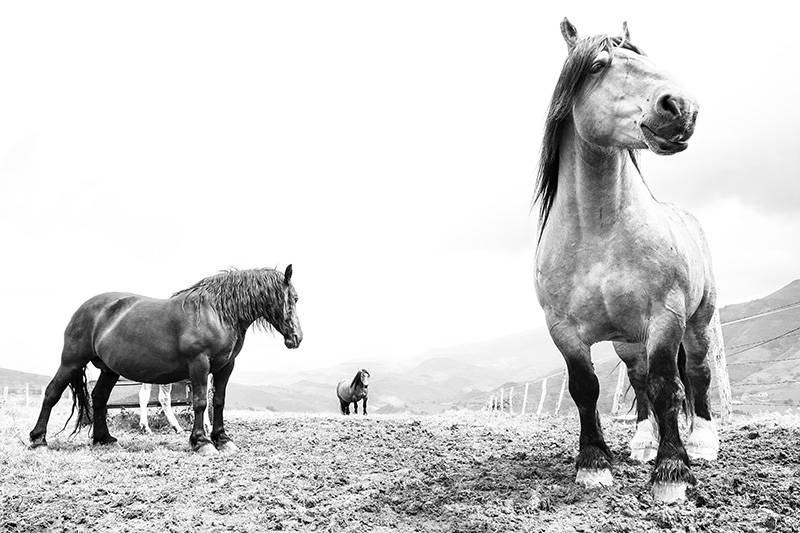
{"points": [[613, 263]]}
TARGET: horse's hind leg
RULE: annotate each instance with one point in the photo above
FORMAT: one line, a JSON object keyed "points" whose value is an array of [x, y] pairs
{"points": [[593, 462], [100, 394], [144, 399], [703, 441], [52, 394], [644, 443], [344, 406]]}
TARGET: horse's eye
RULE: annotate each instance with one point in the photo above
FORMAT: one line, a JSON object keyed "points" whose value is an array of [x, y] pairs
{"points": [[600, 62]]}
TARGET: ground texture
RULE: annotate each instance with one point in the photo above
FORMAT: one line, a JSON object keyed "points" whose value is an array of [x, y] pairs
{"points": [[462, 472]]}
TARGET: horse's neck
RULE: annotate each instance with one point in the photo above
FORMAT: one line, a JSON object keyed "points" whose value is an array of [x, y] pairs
{"points": [[597, 187]]}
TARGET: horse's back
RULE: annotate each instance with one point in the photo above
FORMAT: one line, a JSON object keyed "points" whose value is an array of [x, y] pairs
{"points": [[135, 336]]}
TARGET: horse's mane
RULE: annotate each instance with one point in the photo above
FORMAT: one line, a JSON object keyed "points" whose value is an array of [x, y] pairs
{"points": [[241, 297], [572, 76], [357, 379]]}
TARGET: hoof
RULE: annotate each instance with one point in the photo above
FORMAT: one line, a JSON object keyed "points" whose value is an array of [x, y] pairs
{"points": [[591, 477], [669, 491], [145, 430], [206, 449], [703, 442], [39, 443], [227, 447], [105, 441], [644, 444]]}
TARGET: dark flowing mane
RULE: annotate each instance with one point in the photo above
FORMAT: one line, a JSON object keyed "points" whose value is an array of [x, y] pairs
{"points": [[573, 74], [242, 297]]}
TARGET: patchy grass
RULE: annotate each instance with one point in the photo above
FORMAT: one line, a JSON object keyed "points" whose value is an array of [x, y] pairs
{"points": [[455, 472]]}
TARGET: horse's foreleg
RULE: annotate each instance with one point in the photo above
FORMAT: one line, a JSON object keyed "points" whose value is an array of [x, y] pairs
{"points": [[703, 441], [593, 462], [218, 436], [665, 391], [644, 443], [355, 407], [144, 399], [100, 394], [365, 405], [52, 394], [165, 399], [198, 374]]}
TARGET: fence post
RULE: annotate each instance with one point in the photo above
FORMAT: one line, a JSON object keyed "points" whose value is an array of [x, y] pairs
{"points": [[502, 399], [618, 392], [561, 394], [541, 398], [525, 399], [511, 401], [717, 347]]}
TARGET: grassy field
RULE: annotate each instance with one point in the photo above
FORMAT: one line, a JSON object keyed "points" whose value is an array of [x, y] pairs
{"points": [[454, 472]]}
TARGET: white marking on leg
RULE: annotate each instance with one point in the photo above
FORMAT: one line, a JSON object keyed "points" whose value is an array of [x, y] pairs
{"points": [[644, 444], [703, 441]]}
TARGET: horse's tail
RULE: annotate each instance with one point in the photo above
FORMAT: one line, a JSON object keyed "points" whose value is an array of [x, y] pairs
{"points": [[80, 401], [688, 399]]}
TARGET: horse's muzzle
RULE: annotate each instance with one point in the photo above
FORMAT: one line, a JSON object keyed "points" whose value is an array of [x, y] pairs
{"points": [[671, 124], [292, 341]]}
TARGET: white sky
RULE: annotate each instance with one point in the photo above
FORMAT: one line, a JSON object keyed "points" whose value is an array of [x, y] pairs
{"points": [[387, 150]]}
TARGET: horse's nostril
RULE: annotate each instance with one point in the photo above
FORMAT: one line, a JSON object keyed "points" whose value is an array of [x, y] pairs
{"points": [[668, 105]]}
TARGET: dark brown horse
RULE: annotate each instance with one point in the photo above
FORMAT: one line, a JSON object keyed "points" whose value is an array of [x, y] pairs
{"points": [[353, 391], [614, 264], [197, 332]]}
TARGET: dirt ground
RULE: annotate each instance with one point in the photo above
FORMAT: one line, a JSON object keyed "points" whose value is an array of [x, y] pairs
{"points": [[455, 472]]}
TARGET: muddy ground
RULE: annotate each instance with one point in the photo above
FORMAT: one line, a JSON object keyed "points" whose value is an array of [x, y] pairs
{"points": [[462, 472]]}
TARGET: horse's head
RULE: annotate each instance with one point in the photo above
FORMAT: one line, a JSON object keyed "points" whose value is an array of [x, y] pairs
{"points": [[288, 324], [623, 100], [363, 377]]}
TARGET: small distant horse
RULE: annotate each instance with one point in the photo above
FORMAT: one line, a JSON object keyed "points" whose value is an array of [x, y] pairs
{"points": [[613, 263], [165, 399], [197, 332], [354, 391]]}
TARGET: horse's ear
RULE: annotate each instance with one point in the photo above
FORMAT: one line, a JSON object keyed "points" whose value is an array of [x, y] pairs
{"points": [[288, 274], [570, 33], [625, 33]]}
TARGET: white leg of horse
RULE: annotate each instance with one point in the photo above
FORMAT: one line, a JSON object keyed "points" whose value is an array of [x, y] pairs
{"points": [[165, 399], [144, 398], [703, 442], [644, 444], [209, 406]]}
